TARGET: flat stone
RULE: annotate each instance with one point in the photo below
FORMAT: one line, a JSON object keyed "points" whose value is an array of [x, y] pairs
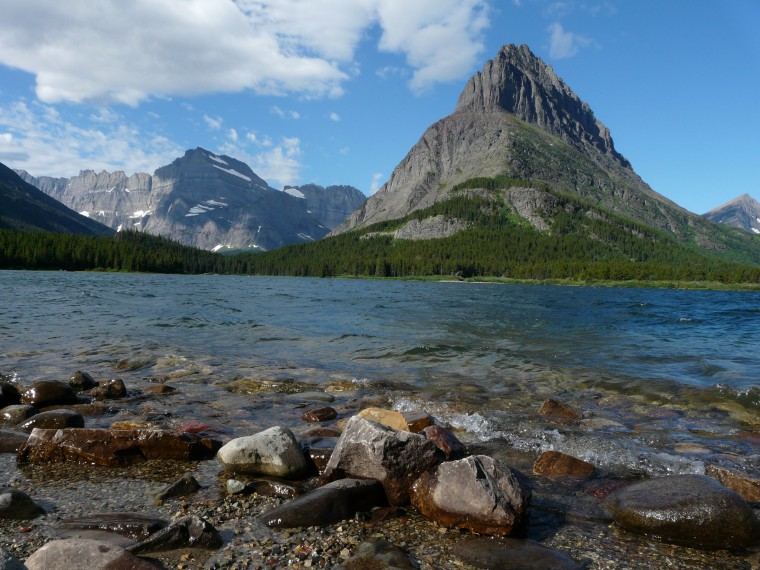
{"points": [[369, 450], [185, 485], [477, 493], [114, 447], [378, 555], [690, 510], [336, 501], [17, 505], [747, 487], [388, 418], [53, 419], [310, 397], [512, 553], [189, 531], [11, 441], [135, 526], [86, 553], [17, 413], [554, 463], [48, 393], [267, 487], [274, 452], [558, 409]]}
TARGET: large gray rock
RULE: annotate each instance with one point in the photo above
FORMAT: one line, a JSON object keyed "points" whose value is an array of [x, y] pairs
{"points": [[86, 554], [17, 505], [368, 450], [512, 553], [477, 493], [273, 452], [336, 501], [691, 510]]}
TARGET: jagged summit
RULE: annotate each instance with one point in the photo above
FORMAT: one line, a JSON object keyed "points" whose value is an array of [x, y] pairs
{"points": [[522, 84], [742, 212]]}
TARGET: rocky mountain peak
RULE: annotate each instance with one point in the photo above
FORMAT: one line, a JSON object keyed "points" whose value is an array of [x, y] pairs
{"points": [[742, 212], [520, 83]]}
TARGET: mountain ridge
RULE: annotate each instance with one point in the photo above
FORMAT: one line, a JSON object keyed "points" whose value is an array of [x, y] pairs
{"points": [[742, 212]]}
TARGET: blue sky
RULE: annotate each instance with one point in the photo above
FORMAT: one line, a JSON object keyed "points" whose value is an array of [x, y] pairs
{"points": [[338, 91]]}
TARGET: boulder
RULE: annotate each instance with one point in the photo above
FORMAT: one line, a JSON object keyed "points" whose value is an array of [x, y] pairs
{"points": [[274, 452], [690, 510], [267, 487], [53, 419], [368, 450], [11, 441], [113, 447], [17, 505], [512, 553], [336, 501], [17, 413], [377, 555], [84, 553], [9, 394], [445, 440], [48, 393], [477, 493], [189, 531], [81, 381], [388, 418], [417, 420], [554, 463]]}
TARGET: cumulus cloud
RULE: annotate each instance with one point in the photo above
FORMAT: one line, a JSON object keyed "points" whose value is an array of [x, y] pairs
{"points": [[127, 52], [214, 123], [334, 117], [564, 44], [279, 163], [377, 179]]}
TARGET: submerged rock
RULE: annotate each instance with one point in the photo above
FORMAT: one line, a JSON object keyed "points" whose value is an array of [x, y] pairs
{"points": [[554, 463], [377, 555], [81, 381], [476, 493], [11, 441], [113, 447], [48, 393], [318, 415], [336, 501], [556, 409], [512, 553], [110, 390], [135, 526], [86, 553], [187, 531], [54, 419], [274, 452], [690, 510], [369, 450], [17, 505]]}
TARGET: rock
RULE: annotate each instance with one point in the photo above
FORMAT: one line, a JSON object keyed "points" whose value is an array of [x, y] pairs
{"points": [[132, 425], [417, 421], [54, 419], [554, 463], [188, 531], [135, 526], [512, 553], [111, 390], [9, 394], [445, 440], [369, 450], [336, 501], [185, 485], [17, 413], [48, 393], [378, 555], [159, 389], [388, 418], [10, 440], [319, 450], [81, 553], [691, 510], [17, 505], [747, 487], [317, 415], [321, 431], [476, 493], [267, 487], [195, 426], [81, 381], [273, 452], [10, 562], [308, 397], [557, 409], [114, 447]]}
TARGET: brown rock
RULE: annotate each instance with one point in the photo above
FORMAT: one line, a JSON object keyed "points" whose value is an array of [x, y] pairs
{"points": [[81, 381], [110, 390], [10, 440], [388, 418], [48, 393], [318, 415], [477, 493], [53, 419], [319, 450], [136, 526], [554, 463], [9, 394], [445, 440], [15, 414], [555, 408], [512, 553], [745, 486], [380, 555], [159, 389], [114, 447], [417, 421], [132, 425]]}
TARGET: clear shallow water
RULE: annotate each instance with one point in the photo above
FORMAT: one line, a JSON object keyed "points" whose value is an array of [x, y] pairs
{"points": [[482, 356]]}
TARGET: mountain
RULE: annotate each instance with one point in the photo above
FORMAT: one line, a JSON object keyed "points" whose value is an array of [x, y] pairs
{"points": [[742, 212], [329, 205], [517, 118], [24, 207], [203, 200]]}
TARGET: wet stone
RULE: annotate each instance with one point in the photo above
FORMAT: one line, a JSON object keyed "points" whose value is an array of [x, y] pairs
{"points": [[319, 450], [417, 420], [186, 485], [9, 394], [53, 419], [512, 553], [135, 526], [110, 390], [556, 409], [15, 414], [10, 562], [95, 554], [189, 531], [48, 393], [554, 463], [81, 381], [10, 440], [265, 487], [747, 487], [310, 397], [318, 415], [17, 505], [378, 555], [445, 440]]}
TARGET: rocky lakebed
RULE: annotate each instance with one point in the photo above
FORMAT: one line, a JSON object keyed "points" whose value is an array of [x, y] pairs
{"points": [[273, 474]]}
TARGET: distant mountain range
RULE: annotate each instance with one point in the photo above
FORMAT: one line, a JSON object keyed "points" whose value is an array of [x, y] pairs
{"points": [[205, 200], [23, 207], [742, 212]]}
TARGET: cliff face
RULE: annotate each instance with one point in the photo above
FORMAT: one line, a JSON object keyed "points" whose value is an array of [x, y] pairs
{"points": [[329, 205], [742, 212]]}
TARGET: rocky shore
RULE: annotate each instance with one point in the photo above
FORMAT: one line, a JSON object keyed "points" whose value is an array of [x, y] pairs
{"points": [[95, 478]]}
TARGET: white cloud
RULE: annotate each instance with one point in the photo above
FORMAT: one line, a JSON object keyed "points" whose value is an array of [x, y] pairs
{"points": [[127, 52], [334, 117], [564, 44], [377, 179], [279, 164], [232, 135], [214, 123]]}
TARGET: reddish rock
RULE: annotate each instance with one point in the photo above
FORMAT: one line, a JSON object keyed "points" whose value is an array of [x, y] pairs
{"points": [[554, 463], [417, 421], [745, 486], [48, 393], [114, 447], [477, 493], [445, 440], [318, 415], [557, 409], [319, 450]]}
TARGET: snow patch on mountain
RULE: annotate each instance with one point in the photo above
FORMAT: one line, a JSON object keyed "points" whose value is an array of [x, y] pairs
{"points": [[218, 159], [294, 192], [205, 207], [233, 172]]}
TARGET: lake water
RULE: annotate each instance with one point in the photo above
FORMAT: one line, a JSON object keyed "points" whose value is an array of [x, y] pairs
{"points": [[667, 380]]}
